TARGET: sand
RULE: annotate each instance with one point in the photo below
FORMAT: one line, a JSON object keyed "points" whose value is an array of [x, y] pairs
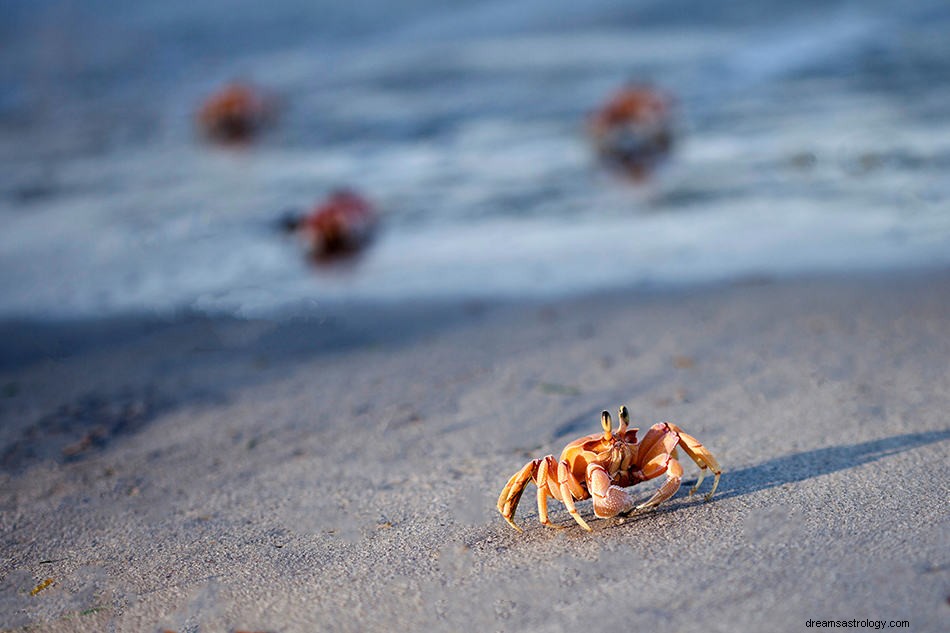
{"points": [[338, 472]]}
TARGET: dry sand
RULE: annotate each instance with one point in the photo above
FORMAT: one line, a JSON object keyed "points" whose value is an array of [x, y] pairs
{"points": [[339, 473]]}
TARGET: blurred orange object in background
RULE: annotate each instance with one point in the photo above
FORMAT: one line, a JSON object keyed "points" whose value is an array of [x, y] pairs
{"points": [[341, 224], [235, 113], [634, 129]]}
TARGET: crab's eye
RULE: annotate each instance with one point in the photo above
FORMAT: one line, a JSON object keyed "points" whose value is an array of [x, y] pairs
{"points": [[605, 421], [624, 420]]}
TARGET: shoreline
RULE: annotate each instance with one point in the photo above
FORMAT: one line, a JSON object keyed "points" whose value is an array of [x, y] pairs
{"points": [[26, 339], [221, 474]]}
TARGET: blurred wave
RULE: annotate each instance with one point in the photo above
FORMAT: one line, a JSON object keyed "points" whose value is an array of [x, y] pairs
{"points": [[813, 137]]}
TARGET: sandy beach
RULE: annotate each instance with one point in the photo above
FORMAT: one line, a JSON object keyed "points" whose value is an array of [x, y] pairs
{"points": [[339, 472], [290, 290]]}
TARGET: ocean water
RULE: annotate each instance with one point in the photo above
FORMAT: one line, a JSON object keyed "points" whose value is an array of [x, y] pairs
{"points": [[811, 137]]}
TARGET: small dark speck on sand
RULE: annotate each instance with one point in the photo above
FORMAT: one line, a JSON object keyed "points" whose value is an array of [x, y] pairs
{"points": [[92, 610]]}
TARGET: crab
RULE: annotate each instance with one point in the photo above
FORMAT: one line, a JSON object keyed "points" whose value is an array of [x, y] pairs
{"points": [[603, 464], [236, 113], [634, 129], [340, 225]]}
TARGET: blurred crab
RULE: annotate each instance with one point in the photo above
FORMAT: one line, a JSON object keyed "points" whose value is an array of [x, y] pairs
{"points": [[634, 129], [603, 464], [235, 113], [339, 225]]}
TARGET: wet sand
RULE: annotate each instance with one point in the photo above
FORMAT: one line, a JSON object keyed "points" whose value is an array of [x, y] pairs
{"points": [[339, 472]]}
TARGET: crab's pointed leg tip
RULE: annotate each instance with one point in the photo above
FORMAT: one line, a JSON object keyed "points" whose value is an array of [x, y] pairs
{"points": [[581, 522], [513, 524]]}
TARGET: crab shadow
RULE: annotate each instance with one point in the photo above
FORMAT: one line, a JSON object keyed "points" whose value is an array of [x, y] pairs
{"points": [[821, 461]]}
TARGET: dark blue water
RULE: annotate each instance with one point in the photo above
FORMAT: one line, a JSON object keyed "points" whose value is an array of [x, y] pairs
{"points": [[812, 137]]}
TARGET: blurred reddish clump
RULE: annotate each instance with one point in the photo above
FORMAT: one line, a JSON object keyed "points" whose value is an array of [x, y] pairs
{"points": [[235, 113], [342, 224], [634, 129]]}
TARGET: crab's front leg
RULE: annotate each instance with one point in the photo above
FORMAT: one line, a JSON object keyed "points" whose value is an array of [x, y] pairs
{"points": [[674, 475], [548, 486], [656, 456], [701, 455], [511, 493], [570, 489]]}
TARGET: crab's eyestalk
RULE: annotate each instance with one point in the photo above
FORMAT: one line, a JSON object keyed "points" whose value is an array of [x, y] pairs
{"points": [[624, 420], [606, 423]]}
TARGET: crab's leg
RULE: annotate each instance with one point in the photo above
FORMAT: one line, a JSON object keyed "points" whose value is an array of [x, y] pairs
{"points": [[659, 440], [657, 455], [511, 494], [564, 477], [609, 499], [547, 485], [701, 455], [674, 474]]}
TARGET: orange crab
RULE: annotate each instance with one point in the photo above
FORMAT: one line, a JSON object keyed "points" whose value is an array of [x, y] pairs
{"points": [[603, 464], [340, 225], [235, 113], [634, 129]]}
